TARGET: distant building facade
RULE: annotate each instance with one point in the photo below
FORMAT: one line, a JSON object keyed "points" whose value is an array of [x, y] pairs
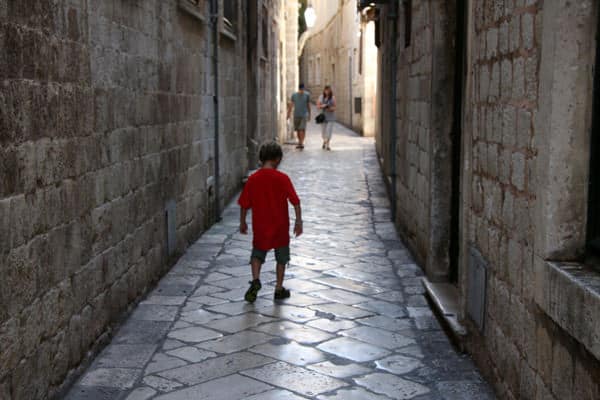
{"points": [[339, 51], [125, 127], [486, 137]]}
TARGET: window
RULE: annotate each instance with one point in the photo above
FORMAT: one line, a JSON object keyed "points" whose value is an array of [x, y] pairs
{"points": [[311, 73], [265, 32], [593, 222], [407, 22], [230, 16]]}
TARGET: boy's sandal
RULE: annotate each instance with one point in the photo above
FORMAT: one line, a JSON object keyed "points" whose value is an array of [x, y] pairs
{"points": [[282, 293]]}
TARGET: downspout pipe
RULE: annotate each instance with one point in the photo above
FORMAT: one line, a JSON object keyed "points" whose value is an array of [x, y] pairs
{"points": [[214, 17], [393, 18]]}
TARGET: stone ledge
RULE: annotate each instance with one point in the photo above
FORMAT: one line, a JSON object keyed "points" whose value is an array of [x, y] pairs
{"points": [[569, 293], [444, 298]]}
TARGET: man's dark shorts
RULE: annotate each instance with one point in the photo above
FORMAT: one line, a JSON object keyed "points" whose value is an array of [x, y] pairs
{"points": [[282, 255]]}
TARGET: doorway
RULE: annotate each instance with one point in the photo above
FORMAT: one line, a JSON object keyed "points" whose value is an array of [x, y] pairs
{"points": [[593, 220], [456, 140]]}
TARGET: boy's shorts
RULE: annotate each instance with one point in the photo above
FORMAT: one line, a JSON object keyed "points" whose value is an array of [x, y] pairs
{"points": [[299, 123], [282, 255]]}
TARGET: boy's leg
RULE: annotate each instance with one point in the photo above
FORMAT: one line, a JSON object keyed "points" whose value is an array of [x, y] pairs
{"points": [[256, 265], [280, 276], [256, 261], [282, 256]]}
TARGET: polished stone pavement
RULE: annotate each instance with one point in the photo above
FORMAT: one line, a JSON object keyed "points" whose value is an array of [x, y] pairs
{"points": [[356, 327]]}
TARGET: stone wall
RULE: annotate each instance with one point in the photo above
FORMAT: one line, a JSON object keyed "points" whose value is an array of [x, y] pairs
{"points": [[106, 115], [523, 174]]}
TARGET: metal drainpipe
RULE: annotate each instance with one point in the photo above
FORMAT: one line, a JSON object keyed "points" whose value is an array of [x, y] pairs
{"points": [[393, 61], [214, 11]]}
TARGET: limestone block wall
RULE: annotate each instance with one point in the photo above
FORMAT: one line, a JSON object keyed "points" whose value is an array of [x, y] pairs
{"points": [[524, 171], [504, 66], [414, 102], [525, 352], [106, 114]]}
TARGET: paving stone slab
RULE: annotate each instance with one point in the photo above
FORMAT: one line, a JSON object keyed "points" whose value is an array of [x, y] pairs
{"points": [[165, 300], [292, 313], [398, 365], [171, 344], [95, 393], [205, 290], [162, 362], [341, 296], [297, 332], [353, 349], [393, 296], [339, 370], [392, 386], [202, 301], [161, 384], [384, 322], [194, 334], [342, 310], [384, 308], [302, 300], [200, 316], [215, 368], [141, 332], [332, 326], [141, 393], [240, 322], [379, 337], [233, 387], [236, 342], [464, 390], [350, 285], [125, 355], [277, 394], [296, 379], [292, 353], [119, 378], [353, 394], [153, 312], [191, 354]]}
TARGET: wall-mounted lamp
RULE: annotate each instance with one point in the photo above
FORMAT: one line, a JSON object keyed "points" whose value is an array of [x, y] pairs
{"points": [[310, 16]]}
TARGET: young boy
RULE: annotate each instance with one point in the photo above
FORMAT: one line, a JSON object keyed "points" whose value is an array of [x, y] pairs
{"points": [[267, 193]]}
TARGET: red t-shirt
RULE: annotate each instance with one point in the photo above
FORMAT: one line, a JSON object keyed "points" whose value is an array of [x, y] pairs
{"points": [[267, 193]]}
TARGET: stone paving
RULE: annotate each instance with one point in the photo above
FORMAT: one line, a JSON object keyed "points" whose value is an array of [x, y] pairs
{"points": [[356, 327]]}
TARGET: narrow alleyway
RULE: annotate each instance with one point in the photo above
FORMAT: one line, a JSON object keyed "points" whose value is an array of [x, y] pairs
{"points": [[356, 327]]}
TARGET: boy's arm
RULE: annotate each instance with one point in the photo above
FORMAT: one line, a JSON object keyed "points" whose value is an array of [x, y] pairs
{"points": [[298, 225], [243, 225]]}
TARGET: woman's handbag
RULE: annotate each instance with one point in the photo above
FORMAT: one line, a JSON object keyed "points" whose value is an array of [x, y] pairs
{"points": [[319, 119]]}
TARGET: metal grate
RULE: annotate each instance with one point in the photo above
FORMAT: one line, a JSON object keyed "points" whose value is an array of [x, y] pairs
{"points": [[476, 287]]}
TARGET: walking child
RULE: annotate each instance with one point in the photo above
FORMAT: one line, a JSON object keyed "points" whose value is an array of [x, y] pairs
{"points": [[267, 193]]}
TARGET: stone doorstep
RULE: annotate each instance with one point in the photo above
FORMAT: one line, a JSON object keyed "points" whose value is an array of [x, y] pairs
{"points": [[445, 299]]}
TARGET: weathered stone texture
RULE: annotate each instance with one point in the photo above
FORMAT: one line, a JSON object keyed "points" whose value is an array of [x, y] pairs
{"points": [[539, 326], [106, 113]]}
